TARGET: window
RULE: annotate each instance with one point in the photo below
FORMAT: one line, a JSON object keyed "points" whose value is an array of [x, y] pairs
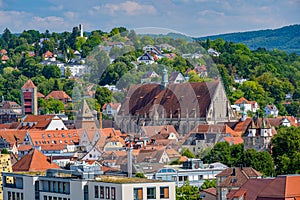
{"points": [[138, 193], [164, 192], [102, 192], [151, 193], [96, 191], [9, 195], [200, 177], [45, 197], [113, 193], [107, 192]]}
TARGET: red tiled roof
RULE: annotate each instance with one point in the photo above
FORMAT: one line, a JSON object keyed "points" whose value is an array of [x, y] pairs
{"points": [[3, 51], [114, 105], [34, 161], [40, 95], [234, 140], [4, 58], [282, 187], [59, 95], [48, 54], [13, 136], [212, 191], [241, 101], [28, 85], [40, 121]]}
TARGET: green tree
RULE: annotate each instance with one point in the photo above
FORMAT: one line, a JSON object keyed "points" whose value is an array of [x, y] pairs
{"points": [[187, 192], [103, 95], [209, 184], [186, 152], [51, 71], [286, 150], [4, 151], [139, 175]]}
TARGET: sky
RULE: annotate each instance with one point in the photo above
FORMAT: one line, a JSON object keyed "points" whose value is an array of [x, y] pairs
{"points": [[190, 17]]}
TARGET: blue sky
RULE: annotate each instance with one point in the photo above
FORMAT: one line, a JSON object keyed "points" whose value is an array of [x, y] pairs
{"points": [[191, 17]]}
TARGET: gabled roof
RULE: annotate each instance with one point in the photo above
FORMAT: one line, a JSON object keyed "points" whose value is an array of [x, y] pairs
{"points": [[34, 161], [48, 54], [40, 95], [13, 136], [38, 122], [58, 94], [174, 75], [114, 106], [28, 85], [241, 101]]}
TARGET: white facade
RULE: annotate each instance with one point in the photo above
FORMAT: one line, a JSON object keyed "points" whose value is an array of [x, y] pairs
{"points": [[26, 187], [56, 124]]}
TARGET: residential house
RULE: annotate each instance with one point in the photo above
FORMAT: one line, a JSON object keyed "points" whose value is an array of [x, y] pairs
{"points": [[111, 109], [246, 105], [259, 134], [283, 121], [149, 76], [280, 187], [152, 155], [49, 56], [271, 110], [4, 59], [233, 178], [34, 161], [11, 139], [213, 52], [93, 154], [176, 77], [59, 95], [209, 194], [42, 122], [151, 50], [146, 58], [192, 170], [84, 184], [10, 112], [114, 143], [205, 135]]}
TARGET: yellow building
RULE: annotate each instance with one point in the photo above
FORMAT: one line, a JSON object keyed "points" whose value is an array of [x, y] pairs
{"points": [[5, 166]]}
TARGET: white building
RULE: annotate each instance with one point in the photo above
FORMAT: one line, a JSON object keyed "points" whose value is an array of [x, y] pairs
{"points": [[271, 110], [73, 185]]}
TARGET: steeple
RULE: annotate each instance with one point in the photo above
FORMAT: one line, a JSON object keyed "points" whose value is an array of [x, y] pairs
{"points": [[85, 118]]}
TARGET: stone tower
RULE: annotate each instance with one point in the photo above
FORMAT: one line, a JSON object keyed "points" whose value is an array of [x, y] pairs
{"points": [[29, 98], [85, 117]]}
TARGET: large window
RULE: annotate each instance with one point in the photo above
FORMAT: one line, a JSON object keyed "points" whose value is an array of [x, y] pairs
{"points": [[151, 193], [96, 191], [138, 193], [113, 193], [107, 192], [102, 192], [164, 192]]}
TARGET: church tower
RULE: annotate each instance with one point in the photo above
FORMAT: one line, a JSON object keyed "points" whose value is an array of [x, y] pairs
{"points": [[29, 99], [85, 118]]}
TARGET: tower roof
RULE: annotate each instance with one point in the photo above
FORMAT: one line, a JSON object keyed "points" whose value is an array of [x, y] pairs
{"points": [[29, 84], [86, 111]]}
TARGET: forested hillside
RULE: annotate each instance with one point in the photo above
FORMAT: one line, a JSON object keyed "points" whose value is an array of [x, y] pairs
{"points": [[286, 38]]}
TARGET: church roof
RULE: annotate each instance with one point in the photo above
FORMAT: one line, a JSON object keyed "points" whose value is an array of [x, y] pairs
{"points": [[193, 99], [28, 85], [86, 111]]}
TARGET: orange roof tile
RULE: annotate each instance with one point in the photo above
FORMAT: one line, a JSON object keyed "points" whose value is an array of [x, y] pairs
{"points": [[48, 54], [4, 58], [40, 95], [28, 85], [59, 95], [234, 140], [34, 161], [3, 51], [13, 136]]}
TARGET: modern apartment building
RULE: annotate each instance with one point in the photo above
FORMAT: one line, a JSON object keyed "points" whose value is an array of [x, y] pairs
{"points": [[74, 185]]}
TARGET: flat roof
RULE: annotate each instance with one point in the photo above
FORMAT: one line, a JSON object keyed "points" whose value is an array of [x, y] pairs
{"points": [[120, 179]]}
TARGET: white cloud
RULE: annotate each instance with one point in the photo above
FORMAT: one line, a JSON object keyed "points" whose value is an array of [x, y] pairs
{"points": [[129, 7]]}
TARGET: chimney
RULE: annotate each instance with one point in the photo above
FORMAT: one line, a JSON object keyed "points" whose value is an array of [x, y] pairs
{"points": [[129, 161]]}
